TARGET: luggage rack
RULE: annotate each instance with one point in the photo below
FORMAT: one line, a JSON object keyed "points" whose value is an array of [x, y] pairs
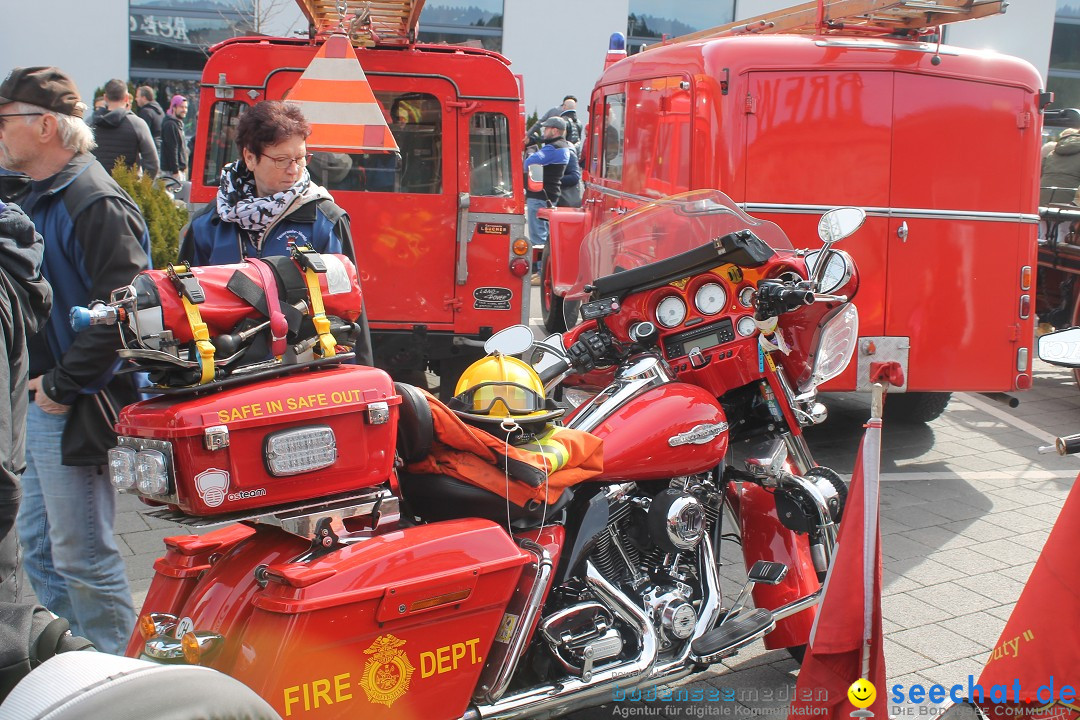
{"points": [[366, 22], [298, 518], [903, 18]]}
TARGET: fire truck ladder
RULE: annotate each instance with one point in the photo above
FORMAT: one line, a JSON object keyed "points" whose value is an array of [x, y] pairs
{"points": [[366, 22], [904, 18]]}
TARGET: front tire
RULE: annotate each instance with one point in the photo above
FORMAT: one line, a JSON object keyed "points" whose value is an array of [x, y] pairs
{"points": [[915, 408]]}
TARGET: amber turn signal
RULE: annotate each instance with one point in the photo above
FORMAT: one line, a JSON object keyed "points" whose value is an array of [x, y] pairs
{"points": [[521, 246]]}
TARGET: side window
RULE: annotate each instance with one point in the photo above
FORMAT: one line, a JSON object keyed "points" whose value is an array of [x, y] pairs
{"points": [[614, 126], [489, 155], [221, 144], [416, 121]]}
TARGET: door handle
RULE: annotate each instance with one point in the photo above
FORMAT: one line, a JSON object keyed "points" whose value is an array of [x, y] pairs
{"points": [[902, 231]]}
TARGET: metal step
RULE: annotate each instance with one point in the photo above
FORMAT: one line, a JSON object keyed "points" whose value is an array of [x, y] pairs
{"points": [[728, 637]]}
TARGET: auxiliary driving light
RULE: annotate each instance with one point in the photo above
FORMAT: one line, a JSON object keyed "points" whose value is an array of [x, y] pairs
{"points": [[298, 451], [122, 468], [151, 472]]}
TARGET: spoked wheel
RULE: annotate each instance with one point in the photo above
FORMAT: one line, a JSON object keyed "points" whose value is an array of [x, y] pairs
{"points": [[551, 305]]}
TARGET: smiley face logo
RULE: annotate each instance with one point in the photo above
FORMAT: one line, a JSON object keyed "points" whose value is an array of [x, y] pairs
{"points": [[862, 693]]}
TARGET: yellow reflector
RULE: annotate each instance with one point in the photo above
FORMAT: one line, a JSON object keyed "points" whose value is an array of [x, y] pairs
{"points": [[147, 628], [192, 650], [438, 600], [521, 246]]}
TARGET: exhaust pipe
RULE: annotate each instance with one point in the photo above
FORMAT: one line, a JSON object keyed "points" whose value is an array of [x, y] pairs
{"points": [[575, 694], [548, 701]]}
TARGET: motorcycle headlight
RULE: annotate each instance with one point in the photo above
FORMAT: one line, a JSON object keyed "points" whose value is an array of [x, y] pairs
{"points": [[122, 468], [836, 345], [151, 472]]}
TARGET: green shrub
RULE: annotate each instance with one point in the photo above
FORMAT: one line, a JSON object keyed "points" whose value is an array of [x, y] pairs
{"points": [[163, 216]]}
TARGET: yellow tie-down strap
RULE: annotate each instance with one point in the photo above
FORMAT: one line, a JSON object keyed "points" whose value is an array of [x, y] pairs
{"points": [[202, 340], [327, 343]]}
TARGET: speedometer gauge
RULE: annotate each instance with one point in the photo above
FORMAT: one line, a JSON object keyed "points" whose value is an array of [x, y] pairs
{"points": [[670, 311], [836, 272], [710, 298], [746, 297]]}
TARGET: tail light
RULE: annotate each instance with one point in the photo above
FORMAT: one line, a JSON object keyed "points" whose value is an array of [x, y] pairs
{"points": [[836, 344]]}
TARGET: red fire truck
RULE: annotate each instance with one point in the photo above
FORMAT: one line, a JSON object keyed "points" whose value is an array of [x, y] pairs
{"points": [[845, 103], [439, 228]]}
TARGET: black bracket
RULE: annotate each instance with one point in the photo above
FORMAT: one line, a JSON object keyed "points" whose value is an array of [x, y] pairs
{"points": [[186, 284]]}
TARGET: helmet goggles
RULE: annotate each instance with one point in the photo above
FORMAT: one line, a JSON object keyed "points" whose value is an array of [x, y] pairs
{"points": [[486, 397]]}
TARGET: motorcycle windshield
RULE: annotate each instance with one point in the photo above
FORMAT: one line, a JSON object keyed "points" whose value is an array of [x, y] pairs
{"points": [[662, 229]]}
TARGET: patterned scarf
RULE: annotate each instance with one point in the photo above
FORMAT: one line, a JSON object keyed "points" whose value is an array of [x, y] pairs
{"points": [[237, 203]]}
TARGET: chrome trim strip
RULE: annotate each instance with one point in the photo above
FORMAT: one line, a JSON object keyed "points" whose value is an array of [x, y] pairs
{"points": [[512, 655], [621, 391], [922, 213]]}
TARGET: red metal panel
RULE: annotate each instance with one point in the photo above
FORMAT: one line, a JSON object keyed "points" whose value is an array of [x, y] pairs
{"points": [[636, 435], [957, 148]]}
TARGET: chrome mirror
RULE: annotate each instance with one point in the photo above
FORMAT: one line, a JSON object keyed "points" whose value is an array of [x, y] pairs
{"points": [[1061, 347], [839, 223], [514, 340]]}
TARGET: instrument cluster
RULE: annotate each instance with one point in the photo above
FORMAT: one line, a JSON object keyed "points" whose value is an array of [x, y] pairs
{"points": [[701, 312]]}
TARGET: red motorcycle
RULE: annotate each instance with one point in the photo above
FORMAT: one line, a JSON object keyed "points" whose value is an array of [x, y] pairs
{"points": [[346, 587]]}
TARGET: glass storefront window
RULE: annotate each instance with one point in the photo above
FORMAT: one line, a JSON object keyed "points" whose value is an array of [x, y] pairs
{"points": [[650, 20], [477, 23]]}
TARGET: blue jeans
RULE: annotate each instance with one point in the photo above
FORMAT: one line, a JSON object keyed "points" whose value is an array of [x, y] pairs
{"points": [[538, 227], [65, 526]]}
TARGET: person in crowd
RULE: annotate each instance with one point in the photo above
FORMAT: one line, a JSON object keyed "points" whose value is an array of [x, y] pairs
{"points": [[570, 192], [25, 301], [1061, 169], [174, 154], [569, 103], [120, 133], [95, 240], [266, 200], [553, 156], [150, 112]]}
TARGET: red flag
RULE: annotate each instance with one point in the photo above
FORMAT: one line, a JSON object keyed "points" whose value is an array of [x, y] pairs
{"points": [[846, 642], [1038, 653]]}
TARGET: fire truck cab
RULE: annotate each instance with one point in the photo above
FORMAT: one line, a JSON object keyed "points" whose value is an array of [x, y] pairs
{"points": [[940, 145], [439, 228]]}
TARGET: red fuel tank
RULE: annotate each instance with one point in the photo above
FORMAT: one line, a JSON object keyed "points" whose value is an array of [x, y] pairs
{"points": [[673, 429]]}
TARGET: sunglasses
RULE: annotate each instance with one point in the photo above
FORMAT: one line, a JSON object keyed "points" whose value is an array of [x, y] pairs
{"points": [[4, 116]]}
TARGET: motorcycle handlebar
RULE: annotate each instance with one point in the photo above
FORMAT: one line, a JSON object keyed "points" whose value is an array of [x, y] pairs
{"points": [[775, 298], [1068, 445]]}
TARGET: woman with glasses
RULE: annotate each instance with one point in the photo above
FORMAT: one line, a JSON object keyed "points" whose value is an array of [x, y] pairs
{"points": [[267, 199]]}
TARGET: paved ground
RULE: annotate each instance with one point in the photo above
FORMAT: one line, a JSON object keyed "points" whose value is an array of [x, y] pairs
{"points": [[966, 505]]}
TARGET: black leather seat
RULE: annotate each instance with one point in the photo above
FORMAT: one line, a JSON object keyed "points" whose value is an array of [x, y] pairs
{"points": [[441, 497]]}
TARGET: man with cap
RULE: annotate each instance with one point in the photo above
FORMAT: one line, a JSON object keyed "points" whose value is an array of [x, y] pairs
{"points": [[95, 240], [553, 156]]}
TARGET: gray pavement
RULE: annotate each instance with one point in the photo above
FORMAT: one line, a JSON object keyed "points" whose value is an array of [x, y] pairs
{"points": [[967, 503]]}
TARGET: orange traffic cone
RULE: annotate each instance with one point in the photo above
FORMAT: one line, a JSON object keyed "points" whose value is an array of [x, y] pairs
{"points": [[336, 98]]}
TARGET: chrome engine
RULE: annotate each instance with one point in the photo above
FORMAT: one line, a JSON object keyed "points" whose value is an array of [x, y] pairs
{"points": [[649, 548]]}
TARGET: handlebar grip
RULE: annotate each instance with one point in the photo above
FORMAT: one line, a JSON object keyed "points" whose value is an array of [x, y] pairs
{"points": [[554, 371], [775, 298], [1068, 445]]}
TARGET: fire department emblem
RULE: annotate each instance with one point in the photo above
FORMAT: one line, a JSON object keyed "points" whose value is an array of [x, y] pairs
{"points": [[387, 674]]}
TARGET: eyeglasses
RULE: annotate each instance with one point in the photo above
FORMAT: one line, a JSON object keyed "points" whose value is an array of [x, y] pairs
{"points": [[8, 115], [282, 163]]}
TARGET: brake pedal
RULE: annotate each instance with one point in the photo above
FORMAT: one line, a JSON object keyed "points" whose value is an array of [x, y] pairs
{"points": [[767, 573]]}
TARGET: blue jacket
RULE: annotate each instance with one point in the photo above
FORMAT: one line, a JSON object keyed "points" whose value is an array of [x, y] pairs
{"points": [[554, 156], [95, 241], [209, 240]]}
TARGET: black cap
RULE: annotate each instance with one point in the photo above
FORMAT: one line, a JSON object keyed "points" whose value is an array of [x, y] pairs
{"points": [[46, 87]]}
